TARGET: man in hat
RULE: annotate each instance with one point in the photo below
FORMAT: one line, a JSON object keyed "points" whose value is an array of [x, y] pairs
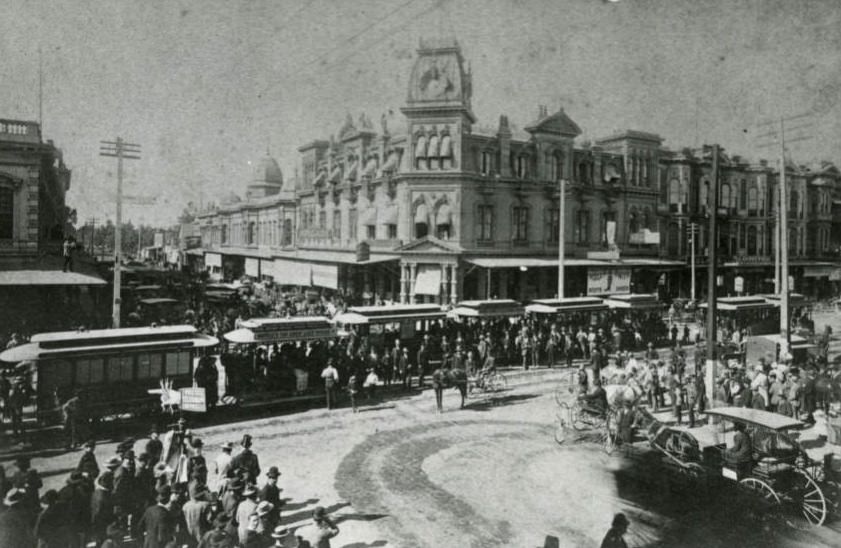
{"points": [[124, 446], [75, 497], [246, 507], [322, 530], [615, 535], [50, 531], [246, 461], [18, 398], [221, 467], [144, 481], [87, 463], [197, 461], [260, 527], [14, 522], [423, 363], [197, 514], [271, 492], [154, 447], [218, 537], [230, 502], [125, 495], [157, 525], [102, 504]]}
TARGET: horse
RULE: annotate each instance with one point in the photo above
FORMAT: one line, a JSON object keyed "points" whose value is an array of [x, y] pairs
{"points": [[449, 378]]}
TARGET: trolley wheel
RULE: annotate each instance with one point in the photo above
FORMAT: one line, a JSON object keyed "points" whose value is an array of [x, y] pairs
{"points": [[760, 488], [809, 497], [498, 382], [560, 429]]}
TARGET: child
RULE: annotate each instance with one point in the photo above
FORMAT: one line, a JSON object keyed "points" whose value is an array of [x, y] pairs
{"points": [[371, 382], [352, 389]]}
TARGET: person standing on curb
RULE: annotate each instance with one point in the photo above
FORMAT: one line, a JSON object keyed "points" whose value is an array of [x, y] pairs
{"points": [[331, 380]]}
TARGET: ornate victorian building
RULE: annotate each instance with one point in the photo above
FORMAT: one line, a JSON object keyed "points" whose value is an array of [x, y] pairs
{"points": [[434, 209]]}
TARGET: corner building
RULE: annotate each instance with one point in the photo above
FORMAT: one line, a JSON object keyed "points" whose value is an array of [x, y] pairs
{"points": [[433, 209]]}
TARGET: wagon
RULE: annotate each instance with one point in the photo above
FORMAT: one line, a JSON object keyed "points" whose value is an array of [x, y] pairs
{"points": [[778, 474]]}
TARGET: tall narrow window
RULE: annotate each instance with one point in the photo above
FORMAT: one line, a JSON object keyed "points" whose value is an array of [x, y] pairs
{"points": [[337, 224], [353, 220], [322, 220], [485, 223], [521, 225], [522, 166], [554, 225], [252, 233], [287, 232], [582, 227], [753, 200], [674, 196], [556, 166], [724, 196], [743, 194], [705, 196], [391, 230], [674, 240], [608, 217], [487, 163], [224, 234]]}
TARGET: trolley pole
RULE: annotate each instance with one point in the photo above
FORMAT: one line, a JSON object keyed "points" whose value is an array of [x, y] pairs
{"points": [[693, 227], [712, 275], [561, 238], [120, 150], [783, 217]]}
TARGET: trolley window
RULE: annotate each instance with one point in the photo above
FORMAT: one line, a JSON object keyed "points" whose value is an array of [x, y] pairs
{"points": [[177, 363], [120, 368], [90, 371], [54, 374], [149, 366]]}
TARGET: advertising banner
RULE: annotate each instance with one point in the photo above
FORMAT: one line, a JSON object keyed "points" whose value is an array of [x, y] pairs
{"points": [[193, 399], [325, 275], [252, 267], [213, 259], [608, 281]]}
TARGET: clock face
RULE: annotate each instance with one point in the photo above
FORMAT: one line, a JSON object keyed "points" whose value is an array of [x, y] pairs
{"points": [[437, 80]]}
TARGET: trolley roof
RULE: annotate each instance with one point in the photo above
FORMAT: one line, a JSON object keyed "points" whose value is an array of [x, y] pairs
{"points": [[69, 343], [794, 299], [360, 315], [569, 304], [489, 309], [756, 417], [159, 300], [634, 301], [736, 304], [279, 330]]}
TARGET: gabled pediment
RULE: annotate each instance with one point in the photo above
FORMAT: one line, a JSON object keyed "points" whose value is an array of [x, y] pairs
{"points": [[555, 124], [429, 244]]}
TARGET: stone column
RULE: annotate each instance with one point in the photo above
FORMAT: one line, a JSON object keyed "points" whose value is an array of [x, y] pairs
{"points": [[403, 282], [412, 277], [443, 296], [454, 284]]}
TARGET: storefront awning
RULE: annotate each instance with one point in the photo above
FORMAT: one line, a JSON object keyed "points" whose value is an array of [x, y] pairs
{"points": [[428, 280], [46, 277]]}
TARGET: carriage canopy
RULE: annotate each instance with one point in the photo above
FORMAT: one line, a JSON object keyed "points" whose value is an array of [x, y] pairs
{"points": [[756, 417]]}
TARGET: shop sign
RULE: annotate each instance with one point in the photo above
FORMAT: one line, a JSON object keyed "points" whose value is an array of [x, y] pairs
{"points": [[193, 399], [739, 284], [608, 281]]}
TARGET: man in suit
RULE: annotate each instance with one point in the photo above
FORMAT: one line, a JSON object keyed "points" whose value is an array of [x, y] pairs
{"points": [[157, 524], [423, 362]]}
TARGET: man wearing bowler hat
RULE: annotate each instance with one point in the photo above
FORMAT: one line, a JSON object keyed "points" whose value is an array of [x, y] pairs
{"points": [[271, 492]]}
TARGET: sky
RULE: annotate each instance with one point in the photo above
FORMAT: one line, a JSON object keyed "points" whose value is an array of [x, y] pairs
{"points": [[206, 87]]}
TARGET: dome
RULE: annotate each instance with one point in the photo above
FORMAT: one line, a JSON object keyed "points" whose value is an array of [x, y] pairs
{"points": [[267, 171]]}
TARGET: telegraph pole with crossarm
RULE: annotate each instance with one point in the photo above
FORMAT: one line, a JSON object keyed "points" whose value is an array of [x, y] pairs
{"points": [[120, 150]]}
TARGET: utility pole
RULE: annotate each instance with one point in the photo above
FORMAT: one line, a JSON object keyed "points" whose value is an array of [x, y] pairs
{"points": [[561, 238], [120, 150], [712, 275], [693, 227], [781, 278]]}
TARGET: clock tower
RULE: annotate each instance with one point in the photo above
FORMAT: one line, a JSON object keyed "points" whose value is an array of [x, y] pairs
{"points": [[438, 107]]}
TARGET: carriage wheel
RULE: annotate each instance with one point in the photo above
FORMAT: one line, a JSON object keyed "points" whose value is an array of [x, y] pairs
{"points": [[560, 429], [498, 382], [762, 489], [809, 497], [578, 420]]}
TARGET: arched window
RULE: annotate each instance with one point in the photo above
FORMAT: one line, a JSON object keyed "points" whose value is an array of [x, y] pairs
{"points": [[674, 196], [420, 152], [753, 199], [421, 221], [724, 196], [705, 196], [555, 164], [522, 166]]}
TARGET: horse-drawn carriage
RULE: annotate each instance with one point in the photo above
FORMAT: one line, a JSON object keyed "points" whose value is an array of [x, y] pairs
{"points": [[777, 472]]}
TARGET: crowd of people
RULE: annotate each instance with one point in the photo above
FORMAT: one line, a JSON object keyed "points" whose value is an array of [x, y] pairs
{"points": [[169, 495]]}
